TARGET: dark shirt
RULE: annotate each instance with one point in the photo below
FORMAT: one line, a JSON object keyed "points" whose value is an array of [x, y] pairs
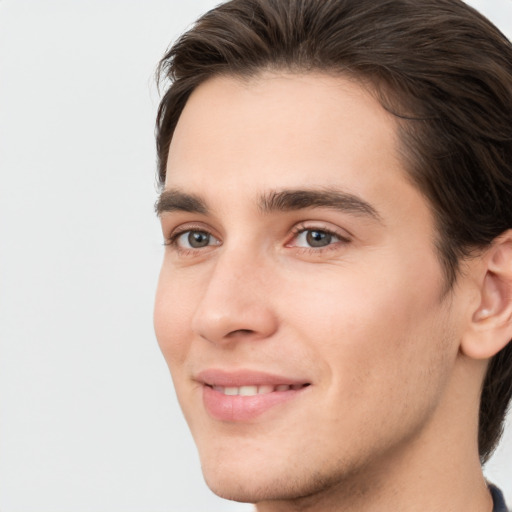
{"points": [[499, 501]]}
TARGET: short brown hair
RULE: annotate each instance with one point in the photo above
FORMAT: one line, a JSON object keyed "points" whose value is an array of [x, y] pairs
{"points": [[438, 65]]}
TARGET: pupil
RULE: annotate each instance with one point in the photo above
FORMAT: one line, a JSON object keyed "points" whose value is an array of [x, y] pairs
{"points": [[198, 239], [318, 238]]}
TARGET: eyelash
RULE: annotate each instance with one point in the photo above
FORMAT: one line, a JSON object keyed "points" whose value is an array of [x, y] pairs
{"points": [[302, 228], [172, 239], [297, 230]]}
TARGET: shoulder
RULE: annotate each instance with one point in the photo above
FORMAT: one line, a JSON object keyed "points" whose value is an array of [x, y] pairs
{"points": [[499, 500]]}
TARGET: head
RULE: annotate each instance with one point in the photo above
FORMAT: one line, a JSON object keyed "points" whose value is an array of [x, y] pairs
{"points": [[441, 75]]}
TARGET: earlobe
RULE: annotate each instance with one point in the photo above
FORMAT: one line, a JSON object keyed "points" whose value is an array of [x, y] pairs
{"points": [[491, 323]]}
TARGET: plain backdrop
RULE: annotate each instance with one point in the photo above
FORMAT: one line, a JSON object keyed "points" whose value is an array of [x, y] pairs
{"points": [[88, 417]]}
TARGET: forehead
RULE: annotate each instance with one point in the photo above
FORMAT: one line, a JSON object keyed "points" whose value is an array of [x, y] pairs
{"points": [[285, 131]]}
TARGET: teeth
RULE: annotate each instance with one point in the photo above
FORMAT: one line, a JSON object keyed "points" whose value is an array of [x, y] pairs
{"points": [[248, 390], [255, 390]]}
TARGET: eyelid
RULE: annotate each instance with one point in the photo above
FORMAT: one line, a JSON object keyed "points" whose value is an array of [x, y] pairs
{"points": [[342, 234], [343, 237], [179, 230]]}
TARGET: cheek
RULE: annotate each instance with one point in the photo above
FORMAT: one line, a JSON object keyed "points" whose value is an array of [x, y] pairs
{"points": [[371, 326], [172, 317], [383, 352]]}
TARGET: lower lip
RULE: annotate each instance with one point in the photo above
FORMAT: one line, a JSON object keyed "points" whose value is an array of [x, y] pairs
{"points": [[237, 408]]}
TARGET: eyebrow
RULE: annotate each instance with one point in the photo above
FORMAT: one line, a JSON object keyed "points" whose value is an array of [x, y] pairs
{"points": [[175, 200], [299, 199], [272, 201]]}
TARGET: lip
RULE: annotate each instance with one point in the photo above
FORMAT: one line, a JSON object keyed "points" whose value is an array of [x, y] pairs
{"points": [[237, 408], [218, 377]]}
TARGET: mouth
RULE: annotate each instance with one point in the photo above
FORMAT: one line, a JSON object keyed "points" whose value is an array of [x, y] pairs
{"points": [[244, 396], [253, 390]]}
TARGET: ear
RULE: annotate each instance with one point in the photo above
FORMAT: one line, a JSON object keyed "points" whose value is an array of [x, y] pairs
{"points": [[490, 328]]}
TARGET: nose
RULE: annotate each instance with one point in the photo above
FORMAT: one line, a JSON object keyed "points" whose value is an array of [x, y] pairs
{"points": [[235, 304]]}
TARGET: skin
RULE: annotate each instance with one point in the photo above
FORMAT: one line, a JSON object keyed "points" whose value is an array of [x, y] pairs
{"points": [[389, 420]]}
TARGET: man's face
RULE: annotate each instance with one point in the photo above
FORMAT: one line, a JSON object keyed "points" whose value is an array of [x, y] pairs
{"points": [[300, 306]]}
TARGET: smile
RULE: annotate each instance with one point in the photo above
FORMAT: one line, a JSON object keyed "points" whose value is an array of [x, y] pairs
{"points": [[256, 390], [244, 396]]}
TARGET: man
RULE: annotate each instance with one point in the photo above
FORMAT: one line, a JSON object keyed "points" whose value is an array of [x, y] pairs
{"points": [[335, 299]]}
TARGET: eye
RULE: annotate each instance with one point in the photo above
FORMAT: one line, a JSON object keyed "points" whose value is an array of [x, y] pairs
{"points": [[315, 238], [194, 239]]}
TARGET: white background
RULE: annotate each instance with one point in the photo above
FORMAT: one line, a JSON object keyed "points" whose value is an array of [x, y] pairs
{"points": [[88, 417]]}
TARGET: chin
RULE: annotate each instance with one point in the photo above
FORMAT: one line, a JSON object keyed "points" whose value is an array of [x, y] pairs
{"points": [[253, 488], [242, 475], [235, 475], [244, 490], [253, 480]]}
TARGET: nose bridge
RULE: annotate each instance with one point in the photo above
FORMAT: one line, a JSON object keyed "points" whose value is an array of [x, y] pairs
{"points": [[235, 302]]}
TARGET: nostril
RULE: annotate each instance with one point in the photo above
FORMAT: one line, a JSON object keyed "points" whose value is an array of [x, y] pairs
{"points": [[240, 331]]}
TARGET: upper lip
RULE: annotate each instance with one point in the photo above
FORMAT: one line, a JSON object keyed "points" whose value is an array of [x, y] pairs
{"points": [[238, 378]]}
